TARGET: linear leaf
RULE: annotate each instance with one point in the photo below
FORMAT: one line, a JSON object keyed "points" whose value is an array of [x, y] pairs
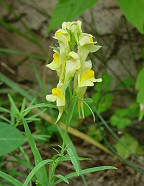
{"points": [[16, 87], [10, 179], [74, 160], [41, 174], [86, 171], [35, 169], [39, 106]]}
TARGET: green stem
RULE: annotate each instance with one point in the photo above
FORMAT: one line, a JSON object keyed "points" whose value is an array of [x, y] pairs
{"points": [[65, 134], [58, 158]]}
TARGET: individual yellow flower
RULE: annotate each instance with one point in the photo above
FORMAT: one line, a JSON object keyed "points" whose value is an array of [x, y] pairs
{"points": [[58, 95], [56, 63], [62, 36], [86, 46], [86, 77], [72, 65]]}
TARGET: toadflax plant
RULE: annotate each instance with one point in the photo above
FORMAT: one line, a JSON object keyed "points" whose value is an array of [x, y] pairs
{"points": [[75, 75], [71, 63]]}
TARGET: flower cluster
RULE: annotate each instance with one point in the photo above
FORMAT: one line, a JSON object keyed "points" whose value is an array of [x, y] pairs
{"points": [[70, 62]]}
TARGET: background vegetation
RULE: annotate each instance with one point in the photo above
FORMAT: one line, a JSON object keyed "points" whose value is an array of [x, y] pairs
{"points": [[26, 33]]}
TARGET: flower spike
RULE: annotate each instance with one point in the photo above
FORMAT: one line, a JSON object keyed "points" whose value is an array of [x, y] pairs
{"points": [[70, 62]]}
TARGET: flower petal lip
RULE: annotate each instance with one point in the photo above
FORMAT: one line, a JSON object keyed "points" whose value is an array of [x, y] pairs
{"points": [[58, 96], [87, 79], [62, 36], [86, 39], [51, 98], [55, 64]]}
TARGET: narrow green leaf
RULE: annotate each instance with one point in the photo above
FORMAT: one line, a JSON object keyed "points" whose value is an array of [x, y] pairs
{"points": [[63, 178], [35, 169], [41, 174], [74, 160], [40, 105], [15, 110], [67, 158], [90, 110], [23, 105], [4, 110], [86, 171], [69, 143], [10, 179], [5, 119], [16, 87], [10, 138]]}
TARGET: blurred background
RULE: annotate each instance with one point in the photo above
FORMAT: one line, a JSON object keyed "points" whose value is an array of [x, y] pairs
{"points": [[26, 34]]}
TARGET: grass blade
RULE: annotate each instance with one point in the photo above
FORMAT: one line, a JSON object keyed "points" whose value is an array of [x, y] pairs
{"points": [[86, 171], [39, 106], [35, 169], [41, 174], [74, 160], [16, 87], [10, 179]]}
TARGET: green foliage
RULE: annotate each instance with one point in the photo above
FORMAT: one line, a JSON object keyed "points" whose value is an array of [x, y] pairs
{"points": [[68, 10], [132, 144], [140, 95], [10, 179], [134, 11], [120, 122], [35, 170], [10, 138], [96, 132], [16, 87], [68, 152], [86, 171], [140, 87], [74, 160], [103, 98], [124, 117], [42, 177]]}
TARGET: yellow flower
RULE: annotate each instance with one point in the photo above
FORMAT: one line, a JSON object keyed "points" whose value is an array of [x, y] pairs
{"points": [[88, 79], [86, 46], [58, 95], [72, 65], [85, 78], [55, 64], [63, 37]]}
